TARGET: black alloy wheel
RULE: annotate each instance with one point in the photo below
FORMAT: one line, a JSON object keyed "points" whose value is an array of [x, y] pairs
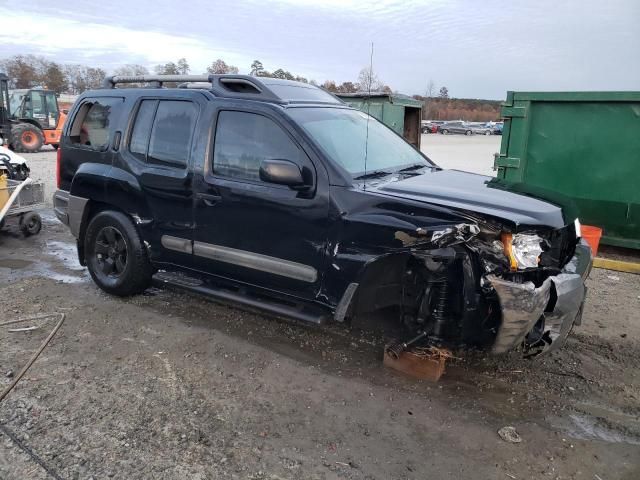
{"points": [[111, 252]]}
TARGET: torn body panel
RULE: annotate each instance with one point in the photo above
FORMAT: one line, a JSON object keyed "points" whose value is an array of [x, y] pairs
{"points": [[555, 306]]}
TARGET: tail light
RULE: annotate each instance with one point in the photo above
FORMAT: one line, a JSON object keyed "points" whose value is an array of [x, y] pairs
{"points": [[58, 167]]}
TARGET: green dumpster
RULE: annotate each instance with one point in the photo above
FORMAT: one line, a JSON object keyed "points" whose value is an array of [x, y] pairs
{"points": [[585, 145], [399, 112]]}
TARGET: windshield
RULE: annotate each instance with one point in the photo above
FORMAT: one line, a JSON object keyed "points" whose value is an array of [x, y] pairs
{"points": [[342, 135], [15, 100]]}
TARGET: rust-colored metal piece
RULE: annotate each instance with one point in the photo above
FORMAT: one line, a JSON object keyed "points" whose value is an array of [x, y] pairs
{"points": [[422, 363]]}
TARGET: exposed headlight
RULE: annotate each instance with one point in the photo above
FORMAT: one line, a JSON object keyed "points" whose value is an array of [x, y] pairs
{"points": [[522, 249], [578, 226]]}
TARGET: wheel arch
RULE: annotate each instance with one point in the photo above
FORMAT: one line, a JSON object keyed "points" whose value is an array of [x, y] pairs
{"points": [[98, 187]]}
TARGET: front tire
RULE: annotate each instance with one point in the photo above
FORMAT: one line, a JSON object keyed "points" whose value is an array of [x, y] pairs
{"points": [[116, 256], [27, 138], [467, 133], [445, 132]]}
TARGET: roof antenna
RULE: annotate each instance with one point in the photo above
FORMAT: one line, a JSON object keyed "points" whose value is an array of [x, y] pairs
{"points": [[366, 142]]}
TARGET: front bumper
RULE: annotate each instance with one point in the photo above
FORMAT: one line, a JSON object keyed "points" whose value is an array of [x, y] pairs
{"points": [[523, 305]]}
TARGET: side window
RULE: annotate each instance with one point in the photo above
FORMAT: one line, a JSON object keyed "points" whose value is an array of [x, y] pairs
{"points": [[52, 108], [90, 127], [142, 128], [244, 139], [173, 127]]}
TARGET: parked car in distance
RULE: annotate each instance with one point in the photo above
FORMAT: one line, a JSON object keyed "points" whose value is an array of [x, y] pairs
{"points": [[480, 129], [427, 127], [431, 126], [497, 128], [253, 190], [455, 127]]}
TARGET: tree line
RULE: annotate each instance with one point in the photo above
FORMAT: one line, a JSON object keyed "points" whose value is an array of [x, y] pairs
{"points": [[28, 71]]}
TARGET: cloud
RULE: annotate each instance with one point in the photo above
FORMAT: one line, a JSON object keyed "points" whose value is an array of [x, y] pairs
{"points": [[476, 48], [56, 36]]}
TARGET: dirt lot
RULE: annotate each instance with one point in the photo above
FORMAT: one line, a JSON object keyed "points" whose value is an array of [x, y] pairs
{"points": [[166, 385]]}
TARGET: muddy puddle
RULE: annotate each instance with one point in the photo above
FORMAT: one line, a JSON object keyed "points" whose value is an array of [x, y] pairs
{"points": [[51, 253]]}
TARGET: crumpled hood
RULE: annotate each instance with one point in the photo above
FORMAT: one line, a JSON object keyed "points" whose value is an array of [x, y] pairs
{"points": [[475, 193]]}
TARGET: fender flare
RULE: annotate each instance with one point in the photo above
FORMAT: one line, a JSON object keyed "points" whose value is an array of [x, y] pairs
{"points": [[104, 185]]}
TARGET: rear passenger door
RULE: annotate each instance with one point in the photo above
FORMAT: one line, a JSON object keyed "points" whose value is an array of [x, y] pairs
{"points": [[157, 151]]}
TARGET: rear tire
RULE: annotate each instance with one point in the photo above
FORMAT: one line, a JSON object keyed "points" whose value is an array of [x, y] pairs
{"points": [[30, 224], [468, 132], [27, 138], [445, 132], [116, 256], [487, 132]]}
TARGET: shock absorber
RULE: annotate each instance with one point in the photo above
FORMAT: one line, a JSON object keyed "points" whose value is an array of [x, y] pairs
{"points": [[440, 306]]}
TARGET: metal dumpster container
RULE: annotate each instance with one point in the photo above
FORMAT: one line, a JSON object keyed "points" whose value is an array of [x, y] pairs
{"points": [[401, 113], [585, 145]]}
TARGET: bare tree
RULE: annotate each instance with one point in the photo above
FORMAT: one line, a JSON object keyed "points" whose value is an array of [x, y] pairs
{"points": [[131, 69], [348, 87], [220, 67], [21, 70], [183, 66], [431, 89], [369, 81], [83, 78], [329, 86], [444, 92]]}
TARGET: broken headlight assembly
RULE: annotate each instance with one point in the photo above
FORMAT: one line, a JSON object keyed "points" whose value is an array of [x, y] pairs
{"points": [[522, 249]]}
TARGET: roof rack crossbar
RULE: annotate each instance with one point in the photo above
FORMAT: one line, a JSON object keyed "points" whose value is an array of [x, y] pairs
{"points": [[112, 81]]}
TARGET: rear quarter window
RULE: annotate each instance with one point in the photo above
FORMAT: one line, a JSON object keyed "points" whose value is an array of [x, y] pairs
{"points": [[92, 124]]}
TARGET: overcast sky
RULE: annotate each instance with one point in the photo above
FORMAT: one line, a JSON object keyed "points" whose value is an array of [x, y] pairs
{"points": [[477, 48]]}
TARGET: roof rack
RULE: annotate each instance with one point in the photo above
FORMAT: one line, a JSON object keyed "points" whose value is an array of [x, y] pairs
{"points": [[233, 86], [237, 86]]}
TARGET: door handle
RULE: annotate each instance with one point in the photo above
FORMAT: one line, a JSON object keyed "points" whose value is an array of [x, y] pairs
{"points": [[208, 199]]}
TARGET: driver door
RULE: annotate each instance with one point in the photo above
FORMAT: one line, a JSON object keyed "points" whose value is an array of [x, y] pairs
{"points": [[253, 231]]}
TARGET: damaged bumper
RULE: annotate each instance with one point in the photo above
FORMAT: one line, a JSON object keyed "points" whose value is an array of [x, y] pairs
{"points": [[556, 304]]}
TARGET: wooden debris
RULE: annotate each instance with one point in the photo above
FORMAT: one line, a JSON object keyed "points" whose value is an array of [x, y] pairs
{"points": [[423, 363]]}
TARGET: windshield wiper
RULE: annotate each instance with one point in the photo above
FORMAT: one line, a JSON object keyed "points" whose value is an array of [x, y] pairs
{"points": [[374, 174], [417, 166]]}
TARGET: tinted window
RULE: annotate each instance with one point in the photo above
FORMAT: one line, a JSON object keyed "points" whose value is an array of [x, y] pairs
{"points": [[91, 125], [301, 93], [142, 128], [172, 132], [243, 140]]}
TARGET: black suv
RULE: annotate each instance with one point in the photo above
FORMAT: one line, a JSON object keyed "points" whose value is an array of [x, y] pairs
{"points": [[276, 195]]}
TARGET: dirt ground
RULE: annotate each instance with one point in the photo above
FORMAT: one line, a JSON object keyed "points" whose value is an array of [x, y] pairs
{"points": [[172, 386]]}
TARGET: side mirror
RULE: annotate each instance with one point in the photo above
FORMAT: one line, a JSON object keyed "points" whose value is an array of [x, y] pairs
{"points": [[282, 172]]}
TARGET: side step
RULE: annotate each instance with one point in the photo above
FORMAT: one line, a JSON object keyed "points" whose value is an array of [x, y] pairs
{"points": [[241, 297]]}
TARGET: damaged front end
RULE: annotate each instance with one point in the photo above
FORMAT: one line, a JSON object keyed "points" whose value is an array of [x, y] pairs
{"points": [[542, 316], [482, 286]]}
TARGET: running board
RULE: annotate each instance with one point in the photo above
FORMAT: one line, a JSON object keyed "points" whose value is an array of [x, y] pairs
{"points": [[189, 284]]}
